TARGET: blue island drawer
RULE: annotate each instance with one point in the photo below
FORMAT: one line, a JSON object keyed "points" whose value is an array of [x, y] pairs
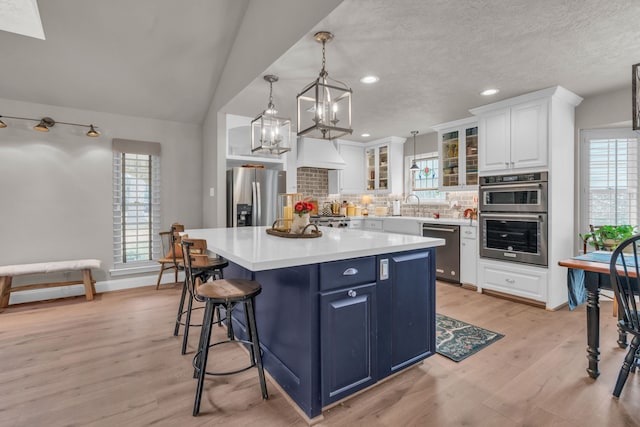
{"points": [[356, 271]]}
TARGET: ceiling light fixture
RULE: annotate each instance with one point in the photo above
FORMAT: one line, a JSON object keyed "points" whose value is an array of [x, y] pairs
{"points": [[369, 79], [269, 133], [489, 92], [46, 123], [414, 166], [323, 104], [365, 135]]}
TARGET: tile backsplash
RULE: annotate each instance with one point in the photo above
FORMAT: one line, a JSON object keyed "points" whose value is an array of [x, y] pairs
{"points": [[314, 183]]}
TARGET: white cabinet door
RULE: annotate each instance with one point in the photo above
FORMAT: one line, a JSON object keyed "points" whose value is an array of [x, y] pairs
{"points": [[494, 130], [349, 180], [373, 224], [529, 134], [402, 226], [468, 254]]}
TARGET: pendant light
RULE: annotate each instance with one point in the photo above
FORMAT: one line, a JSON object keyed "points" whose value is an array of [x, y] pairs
{"points": [[324, 106], [269, 133], [414, 166]]}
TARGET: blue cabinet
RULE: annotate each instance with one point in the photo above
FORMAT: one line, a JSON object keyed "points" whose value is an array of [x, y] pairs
{"points": [[406, 311], [348, 341], [328, 330]]}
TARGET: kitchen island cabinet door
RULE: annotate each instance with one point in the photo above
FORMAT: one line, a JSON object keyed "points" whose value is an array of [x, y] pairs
{"points": [[348, 341], [406, 316]]}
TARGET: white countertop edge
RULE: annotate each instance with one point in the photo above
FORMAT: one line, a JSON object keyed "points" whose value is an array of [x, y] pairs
{"points": [[317, 259], [242, 249]]}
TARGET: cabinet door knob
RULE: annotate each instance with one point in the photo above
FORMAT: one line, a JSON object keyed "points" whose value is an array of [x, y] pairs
{"points": [[352, 293], [350, 271]]}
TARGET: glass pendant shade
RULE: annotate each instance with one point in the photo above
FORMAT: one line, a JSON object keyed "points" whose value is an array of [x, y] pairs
{"points": [[269, 133], [324, 106]]}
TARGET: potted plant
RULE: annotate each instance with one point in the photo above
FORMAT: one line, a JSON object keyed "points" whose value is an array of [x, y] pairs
{"points": [[607, 237]]}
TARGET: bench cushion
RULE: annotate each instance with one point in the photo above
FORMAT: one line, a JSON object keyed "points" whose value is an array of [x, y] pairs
{"points": [[48, 267]]}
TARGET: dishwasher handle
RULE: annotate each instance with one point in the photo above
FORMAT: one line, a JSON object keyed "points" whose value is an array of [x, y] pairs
{"points": [[448, 230]]}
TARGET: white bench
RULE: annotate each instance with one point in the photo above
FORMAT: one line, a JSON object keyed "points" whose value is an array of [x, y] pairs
{"points": [[8, 272]]}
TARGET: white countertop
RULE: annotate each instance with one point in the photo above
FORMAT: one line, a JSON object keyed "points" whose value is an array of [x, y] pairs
{"points": [[255, 250]]}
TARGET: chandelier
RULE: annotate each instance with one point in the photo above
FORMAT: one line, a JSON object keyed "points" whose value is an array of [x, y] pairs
{"points": [[270, 133], [324, 106]]}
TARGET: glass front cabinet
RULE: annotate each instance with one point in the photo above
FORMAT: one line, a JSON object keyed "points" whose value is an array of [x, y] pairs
{"points": [[383, 165], [458, 153]]}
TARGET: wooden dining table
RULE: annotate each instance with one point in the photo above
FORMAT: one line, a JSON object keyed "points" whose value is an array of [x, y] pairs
{"points": [[596, 277]]}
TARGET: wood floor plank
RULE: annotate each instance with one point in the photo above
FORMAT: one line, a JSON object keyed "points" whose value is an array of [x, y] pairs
{"points": [[115, 362]]}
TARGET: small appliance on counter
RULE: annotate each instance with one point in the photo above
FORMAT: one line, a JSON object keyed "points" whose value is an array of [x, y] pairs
{"points": [[396, 208]]}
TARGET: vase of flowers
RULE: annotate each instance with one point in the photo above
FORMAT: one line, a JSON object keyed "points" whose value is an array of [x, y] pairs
{"points": [[301, 213]]}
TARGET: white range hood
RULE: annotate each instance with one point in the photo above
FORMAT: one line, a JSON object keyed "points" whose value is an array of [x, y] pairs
{"points": [[319, 153]]}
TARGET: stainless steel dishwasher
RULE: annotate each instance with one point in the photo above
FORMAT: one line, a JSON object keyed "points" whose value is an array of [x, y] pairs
{"points": [[447, 256]]}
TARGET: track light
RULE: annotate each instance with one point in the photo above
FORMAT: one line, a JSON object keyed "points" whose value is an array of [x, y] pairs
{"points": [[45, 123]]}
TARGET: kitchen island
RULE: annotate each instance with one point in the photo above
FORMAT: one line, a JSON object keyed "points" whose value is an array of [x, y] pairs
{"points": [[337, 313]]}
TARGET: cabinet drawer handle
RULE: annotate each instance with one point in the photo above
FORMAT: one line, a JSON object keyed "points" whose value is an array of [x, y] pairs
{"points": [[352, 293], [510, 280], [350, 271]]}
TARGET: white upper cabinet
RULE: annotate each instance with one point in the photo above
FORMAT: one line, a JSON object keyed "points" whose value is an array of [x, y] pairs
{"points": [[383, 165], [349, 180], [515, 137], [458, 153]]}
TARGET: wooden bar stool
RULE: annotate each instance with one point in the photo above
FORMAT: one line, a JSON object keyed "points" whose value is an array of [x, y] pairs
{"points": [[226, 293], [200, 265]]}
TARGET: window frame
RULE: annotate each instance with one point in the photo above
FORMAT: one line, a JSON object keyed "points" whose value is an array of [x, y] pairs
{"points": [[408, 161], [152, 151], [585, 137]]}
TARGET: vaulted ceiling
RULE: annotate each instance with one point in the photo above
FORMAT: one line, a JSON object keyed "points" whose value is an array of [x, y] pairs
{"points": [[163, 59]]}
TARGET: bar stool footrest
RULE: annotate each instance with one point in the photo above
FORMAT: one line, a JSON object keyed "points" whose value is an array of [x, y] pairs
{"points": [[252, 365]]}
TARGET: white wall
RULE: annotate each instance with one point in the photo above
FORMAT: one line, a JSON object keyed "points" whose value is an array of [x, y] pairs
{"points": [[606, 110], [250, 57], [425, 143], [56, 187]]}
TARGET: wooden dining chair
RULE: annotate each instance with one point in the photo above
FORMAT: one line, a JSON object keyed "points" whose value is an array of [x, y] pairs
{"points": [[624, 272], [171, 251], [590, 241]]}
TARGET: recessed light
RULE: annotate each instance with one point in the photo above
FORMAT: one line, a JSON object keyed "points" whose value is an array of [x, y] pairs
{"points": [[489, 92], [365, 135], [369, 79]]}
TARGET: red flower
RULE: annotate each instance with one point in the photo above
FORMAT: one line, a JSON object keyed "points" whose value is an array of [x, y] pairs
{"points": [[303, 207]]}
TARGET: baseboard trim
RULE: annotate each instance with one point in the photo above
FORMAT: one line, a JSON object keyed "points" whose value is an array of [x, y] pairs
{"points": [[514, 298]]}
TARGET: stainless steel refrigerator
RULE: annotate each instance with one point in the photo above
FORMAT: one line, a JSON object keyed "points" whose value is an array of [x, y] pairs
{"points": [[252, 196]]}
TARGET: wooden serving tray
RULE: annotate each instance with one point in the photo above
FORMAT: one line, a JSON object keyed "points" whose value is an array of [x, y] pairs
{"points": [[283, 232]]}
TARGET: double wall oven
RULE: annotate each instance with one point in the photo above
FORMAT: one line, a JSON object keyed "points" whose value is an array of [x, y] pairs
{"points": [[513, 217]]}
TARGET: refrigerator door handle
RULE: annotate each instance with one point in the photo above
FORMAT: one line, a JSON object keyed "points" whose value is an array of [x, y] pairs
{"points": [[258, 191], [254, 206]]}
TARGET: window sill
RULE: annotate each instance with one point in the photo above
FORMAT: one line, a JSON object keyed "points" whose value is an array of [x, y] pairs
{"points": [[127, 270]]}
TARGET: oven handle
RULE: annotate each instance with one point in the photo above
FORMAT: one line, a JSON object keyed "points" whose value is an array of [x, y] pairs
{"points": [[510, 216], [500, 186]]}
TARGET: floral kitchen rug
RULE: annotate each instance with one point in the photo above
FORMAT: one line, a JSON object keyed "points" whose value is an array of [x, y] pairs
{"points": [[458, 340]]}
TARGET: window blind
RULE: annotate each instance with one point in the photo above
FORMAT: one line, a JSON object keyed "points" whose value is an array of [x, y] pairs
{"points": [[610, 181], [136, 205]]}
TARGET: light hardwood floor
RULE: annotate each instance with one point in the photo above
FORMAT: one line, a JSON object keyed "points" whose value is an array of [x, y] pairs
{"points": [[115, 362]]}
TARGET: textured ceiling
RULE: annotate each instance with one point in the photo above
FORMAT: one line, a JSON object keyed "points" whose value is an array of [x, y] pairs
{"points": [[163, 58], [434, 57]]}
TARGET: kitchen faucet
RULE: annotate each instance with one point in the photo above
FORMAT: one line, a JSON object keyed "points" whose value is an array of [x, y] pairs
{"points": [[415, 210]]}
